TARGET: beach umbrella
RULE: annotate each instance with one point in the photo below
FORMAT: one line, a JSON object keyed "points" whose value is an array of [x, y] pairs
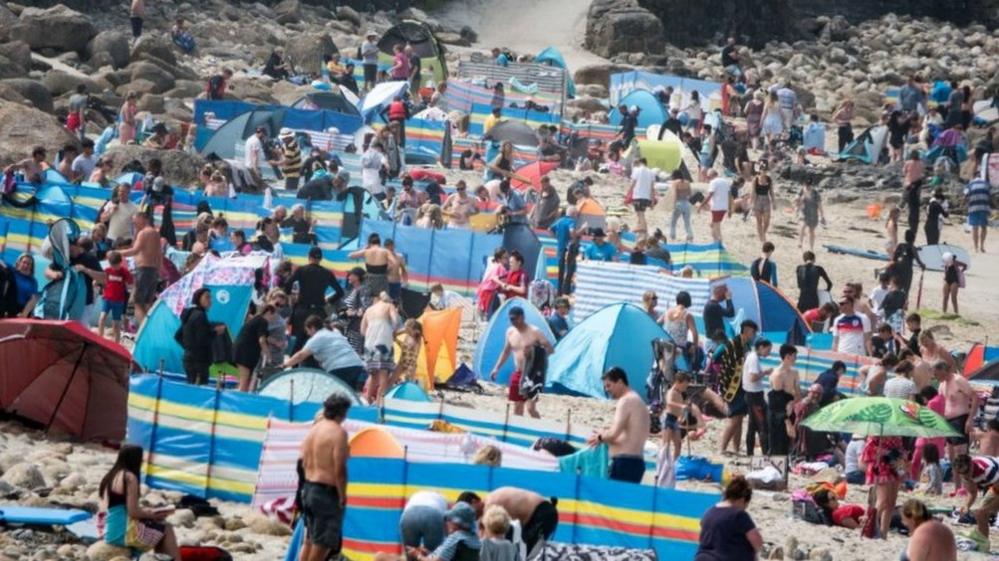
{"points": [[879, 416], [531, 174]]}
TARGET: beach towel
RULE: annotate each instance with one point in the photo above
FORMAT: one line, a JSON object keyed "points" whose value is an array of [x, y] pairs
{"points": [[593, 462], [666, 468]]}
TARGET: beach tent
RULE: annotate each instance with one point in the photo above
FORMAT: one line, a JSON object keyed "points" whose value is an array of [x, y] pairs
{"points": [[231, 281], [225, 139], [591, 214], [490, 343], [617, 335], [408, 391], [522, 238], [439, 354], [534, 171], [307, 385], [978, 356], [988, 371], [520, 134], [552, 57], [665, 155], [331, 101], [375, 442], [651, 111], [868, 146], [425, 45], [380, 97], [61, 375]]}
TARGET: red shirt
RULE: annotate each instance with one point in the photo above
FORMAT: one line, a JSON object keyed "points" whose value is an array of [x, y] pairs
{"points": [[516, 278], [812, 316], [116, 280], [847, 511]]}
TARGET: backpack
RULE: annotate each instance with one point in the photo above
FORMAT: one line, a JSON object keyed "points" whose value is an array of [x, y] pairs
{"points": [[541, 293]]}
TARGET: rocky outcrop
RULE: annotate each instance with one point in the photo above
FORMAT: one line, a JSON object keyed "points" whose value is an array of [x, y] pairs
{"points": [[622, 26], [58, 28], [24, 128], [33, 91], [59, 83], [180, 168], [305, 52], [598, 73], [111, 47]]}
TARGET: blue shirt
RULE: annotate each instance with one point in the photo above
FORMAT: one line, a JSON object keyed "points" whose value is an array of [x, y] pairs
{"points": [[828, 380], [503, 60], [602, 252], [562, 228], [515, 202], [560, 326], [26, 288], [332, 350], [449, 547]]}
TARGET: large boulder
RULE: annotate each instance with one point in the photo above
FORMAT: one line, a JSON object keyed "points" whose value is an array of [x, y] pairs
{"points": [[152, 44], [24, 127], [161, 79], [346, 13], [598, 73], [622, 26], [58, 28], [18, 52], [10, 69], [288, 11], [7, 21], [113, 44], [179, 167], [59, 82], [33, 91], [24, 475], [306, 51], [103, 551]]}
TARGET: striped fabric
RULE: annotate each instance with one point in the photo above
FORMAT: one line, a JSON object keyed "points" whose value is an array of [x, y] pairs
{"points": [[623, 83], [811, 363], [600, 284], [324, 140], [591, 511], [533, 119], [281, 449], [551, 81]]}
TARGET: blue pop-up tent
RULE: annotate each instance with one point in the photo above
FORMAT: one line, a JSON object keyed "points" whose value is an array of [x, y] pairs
{"points": [[552, 57], [651, 111], [617, 335], [490, 344]]}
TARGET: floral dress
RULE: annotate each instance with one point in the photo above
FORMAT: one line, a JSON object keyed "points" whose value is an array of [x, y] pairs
{"points": [[879, 449]]}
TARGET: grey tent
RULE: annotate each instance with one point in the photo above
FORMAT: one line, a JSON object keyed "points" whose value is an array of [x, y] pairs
{"points": [[331, 101], [520, 134], [235, 131], [306, 385]]}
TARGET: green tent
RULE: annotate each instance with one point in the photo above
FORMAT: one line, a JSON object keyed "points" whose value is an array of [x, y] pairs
{"points": [[425, 46]]}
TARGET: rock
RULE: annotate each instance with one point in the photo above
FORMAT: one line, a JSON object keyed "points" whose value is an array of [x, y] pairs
{"points": [[453, 39], [18, 52], [593, 90], [185, 89], [24, 475], [346, 13], [156, 46], [616, 26], [598, 73], [233, 524], [587, 104], [160, 78], [113, 44], [180, 168], [305, 52], [58, 28], [183, 518], [72, 482], [288, 11], [59, 83], [7, 21], [101, 551], [10, 69], [140, 87], [469, 34], [7, 490], [820, 554], [33, 91], [265, 526]]}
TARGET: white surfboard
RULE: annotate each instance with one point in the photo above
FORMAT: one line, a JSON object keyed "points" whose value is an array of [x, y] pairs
{"points": [[932, 255]]}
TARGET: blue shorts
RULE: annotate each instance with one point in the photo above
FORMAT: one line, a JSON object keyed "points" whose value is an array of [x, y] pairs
{"points": [[978, 218], [706, 160], [114, 309], [395, 291], [627, 468]]}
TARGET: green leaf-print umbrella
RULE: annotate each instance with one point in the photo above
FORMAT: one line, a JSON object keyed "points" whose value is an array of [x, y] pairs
{"points": [[879, 416]]}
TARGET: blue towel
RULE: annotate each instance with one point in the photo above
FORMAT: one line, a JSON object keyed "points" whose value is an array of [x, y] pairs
{"points": [[594, 462]]}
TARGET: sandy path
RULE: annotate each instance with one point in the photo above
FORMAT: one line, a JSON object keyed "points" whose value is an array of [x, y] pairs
{"points": [[527, 26]]}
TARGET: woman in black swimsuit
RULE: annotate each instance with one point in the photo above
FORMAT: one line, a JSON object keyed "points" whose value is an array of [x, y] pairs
{"points": [[762, 203]]}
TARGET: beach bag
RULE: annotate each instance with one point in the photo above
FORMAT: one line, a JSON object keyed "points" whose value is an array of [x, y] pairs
{"points": [[961, 280], [541, 294], [803, 507]]}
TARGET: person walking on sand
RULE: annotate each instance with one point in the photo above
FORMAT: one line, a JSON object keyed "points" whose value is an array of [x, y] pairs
{"points": [[718, 200], [753, 374], [809, 204], [148, 255], [979, 202], [378, 326], [324, 454], [730, 359], [643, 194], [953, 280], [627, 434], [912, 180], [521, 341]]}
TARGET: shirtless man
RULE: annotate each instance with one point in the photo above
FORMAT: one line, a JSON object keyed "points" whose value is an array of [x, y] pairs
{"points": [[148, 255], [988, 439], [960, 408], [538, 517], [33, 168], [521, 339], [398, 275], [627, 435], [785, 392], [324, 491], [930, 352], [875, 375]]}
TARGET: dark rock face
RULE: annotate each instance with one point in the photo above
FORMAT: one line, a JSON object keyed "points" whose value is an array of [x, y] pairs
{"points": [[755, 22], [622, 26]]}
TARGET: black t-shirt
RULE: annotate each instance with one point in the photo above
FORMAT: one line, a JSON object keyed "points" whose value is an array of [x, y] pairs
{"points": [[313, 280], [628, 124], [89, 261], [714, 316], [414, 63], [248, 340], [723, 535], [726, 55], [318, 189], [893, 302]]}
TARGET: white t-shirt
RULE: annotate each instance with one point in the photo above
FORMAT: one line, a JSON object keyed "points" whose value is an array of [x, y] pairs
{"points": [[752, 366], [719, 188], [645, 180], [253, 152], [428, 499], [853, 451], [371, 164], [900, 387], [120, 222], [851, 330], [83, 166], [332, 350], [878, 296]]}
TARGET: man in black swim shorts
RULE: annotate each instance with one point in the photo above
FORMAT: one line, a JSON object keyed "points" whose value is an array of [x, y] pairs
{"points": [[324, 491]]}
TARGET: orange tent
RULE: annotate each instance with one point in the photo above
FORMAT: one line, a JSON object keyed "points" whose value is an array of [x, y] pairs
{"points": [[373, 442], [439, 355]]}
